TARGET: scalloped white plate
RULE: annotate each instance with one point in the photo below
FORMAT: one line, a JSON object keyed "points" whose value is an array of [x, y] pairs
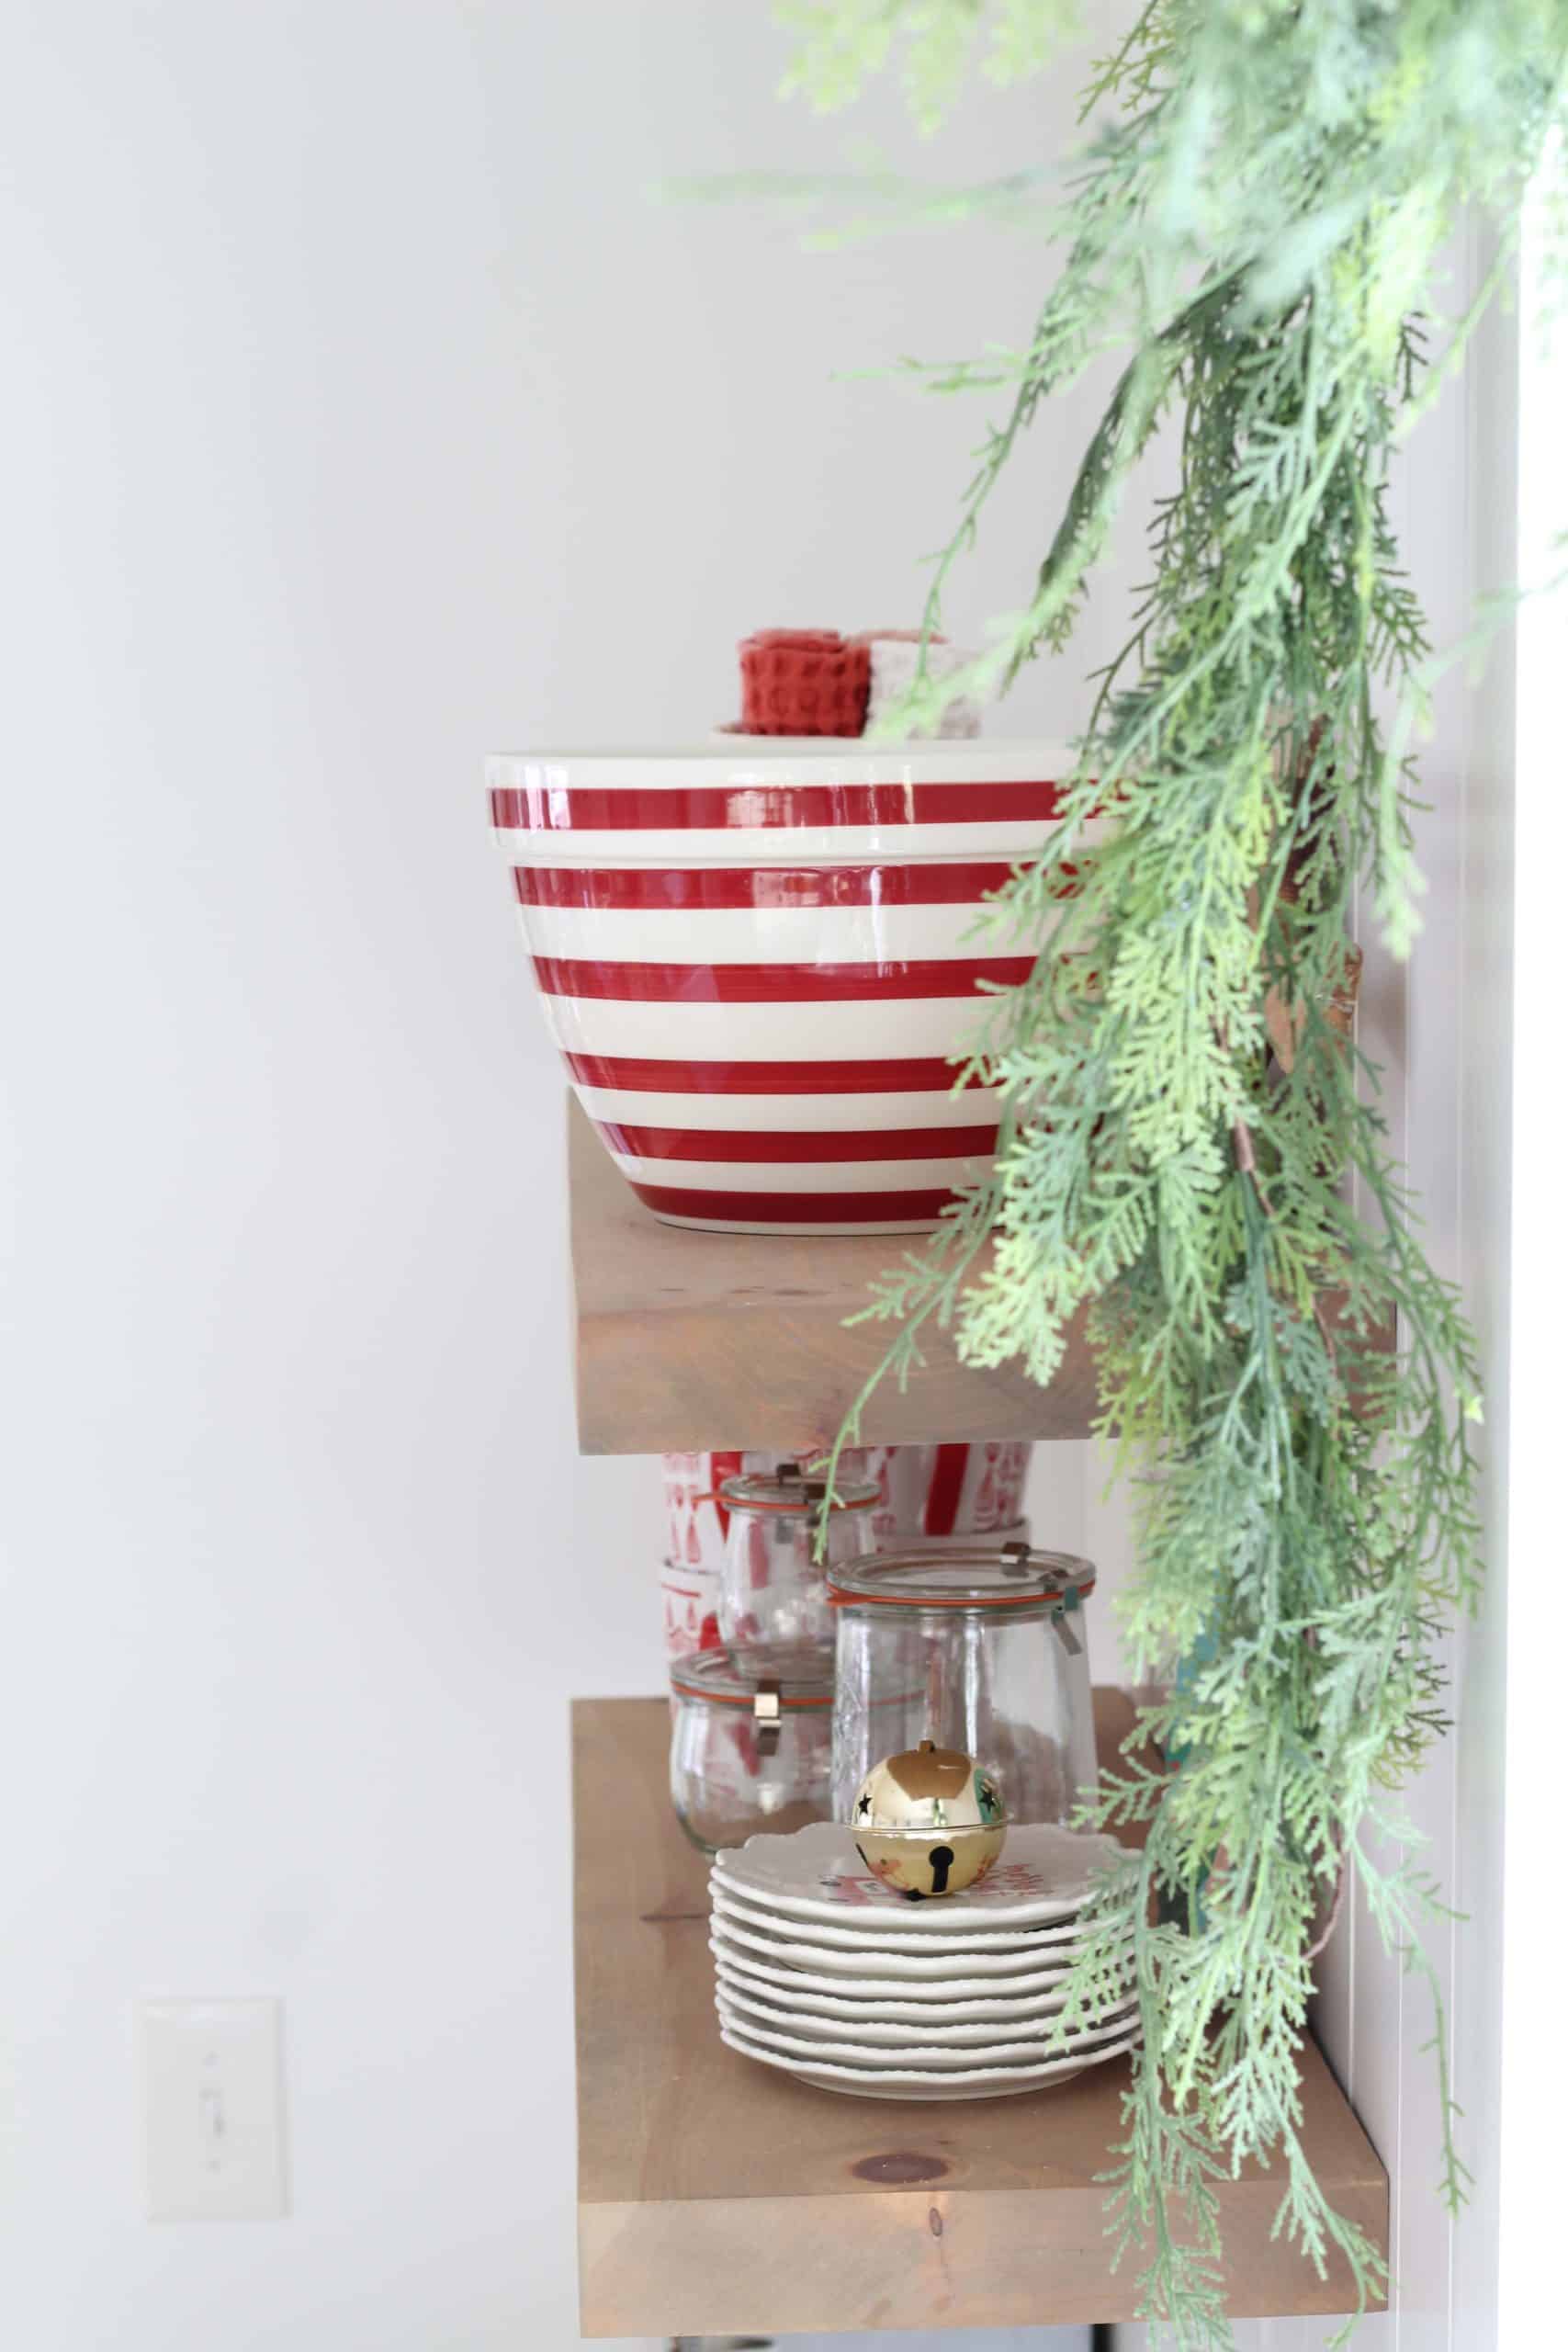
{"points": [[876, 1937], [979, 2082], [922, 2058], [965, 1974], [1046, 1873], [918, 2002], [986, 1996], [921, 2042]]}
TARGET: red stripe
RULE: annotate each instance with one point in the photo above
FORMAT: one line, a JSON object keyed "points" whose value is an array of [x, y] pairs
{"points": [[587, 975], [946, 1490], [658, 887], [642, 1074], [634, 808], [723, 1466], [744, 1144], [791, 1208]]}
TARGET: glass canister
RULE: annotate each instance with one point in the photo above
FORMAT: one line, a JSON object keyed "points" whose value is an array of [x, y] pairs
{"points": [[751, 1748], [691, 1609], [982, 1650], [773, 1593]]}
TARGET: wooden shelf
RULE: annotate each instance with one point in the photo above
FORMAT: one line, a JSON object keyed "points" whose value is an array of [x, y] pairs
{"points": [[718, 2197], [686, 1340]]}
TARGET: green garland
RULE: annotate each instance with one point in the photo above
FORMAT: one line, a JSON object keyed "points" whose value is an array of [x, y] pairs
{"points": [[1256, 223]]}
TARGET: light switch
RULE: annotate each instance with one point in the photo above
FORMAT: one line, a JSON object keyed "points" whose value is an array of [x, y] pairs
{"points": [[212, 2110]]}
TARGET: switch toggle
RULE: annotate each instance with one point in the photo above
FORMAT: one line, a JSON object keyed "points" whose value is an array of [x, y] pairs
{"points": [[212, 2110]]}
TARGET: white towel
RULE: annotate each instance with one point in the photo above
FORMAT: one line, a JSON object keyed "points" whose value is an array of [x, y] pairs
{"points": [[894, 662]]}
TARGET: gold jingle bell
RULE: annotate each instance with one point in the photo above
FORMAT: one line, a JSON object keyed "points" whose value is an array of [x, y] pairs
{"points": [[929, 1821]]}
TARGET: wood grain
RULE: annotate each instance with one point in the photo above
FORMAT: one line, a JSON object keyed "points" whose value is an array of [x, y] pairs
{"points": [[718, 2197], [686, 1340]]}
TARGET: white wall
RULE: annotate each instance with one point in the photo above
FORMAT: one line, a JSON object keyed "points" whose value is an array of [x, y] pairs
{"points": [[359, 415], [1530, 2090]]}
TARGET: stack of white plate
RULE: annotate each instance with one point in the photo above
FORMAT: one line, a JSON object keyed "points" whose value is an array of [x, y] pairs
{"points": [[821, 1971]]}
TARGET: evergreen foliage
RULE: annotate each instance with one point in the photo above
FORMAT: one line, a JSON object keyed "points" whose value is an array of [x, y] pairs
{"points": [[1257, 223]]}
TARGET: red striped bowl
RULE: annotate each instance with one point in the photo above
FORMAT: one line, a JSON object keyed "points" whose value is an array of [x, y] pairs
{"points": [[758, 964]]}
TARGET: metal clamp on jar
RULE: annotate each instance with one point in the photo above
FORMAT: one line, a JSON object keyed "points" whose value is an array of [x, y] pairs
{"points": [[751, 1746]]}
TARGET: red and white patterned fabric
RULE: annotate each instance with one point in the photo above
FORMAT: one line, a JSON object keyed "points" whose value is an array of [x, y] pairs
{"points": [[698, 1520], [756, 966], [957, 1490], [974, 1488], [691, 1609]]}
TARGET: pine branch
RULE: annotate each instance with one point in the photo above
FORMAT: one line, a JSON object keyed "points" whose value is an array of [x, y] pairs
{"points": [[1259, 232]]}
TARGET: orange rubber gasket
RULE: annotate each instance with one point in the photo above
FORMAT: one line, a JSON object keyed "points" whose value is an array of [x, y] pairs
{"points": [[841, 1599], [722, 1698]]}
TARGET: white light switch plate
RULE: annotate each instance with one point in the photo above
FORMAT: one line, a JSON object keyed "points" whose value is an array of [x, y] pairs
{"points": [[212, 2110]]}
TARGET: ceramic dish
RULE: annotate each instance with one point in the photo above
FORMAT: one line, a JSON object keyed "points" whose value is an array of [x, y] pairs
{"points": [[789, 1991], [758, 962], [875, 1932], [961, 1973], [1042, 1878], [984, 1995], [783, 2025], [981, 2081], [1020, 1946], [916, 2057], [922, 2058]]}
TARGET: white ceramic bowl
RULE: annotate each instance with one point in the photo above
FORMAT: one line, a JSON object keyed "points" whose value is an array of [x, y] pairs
{"points": [[758, 964]]}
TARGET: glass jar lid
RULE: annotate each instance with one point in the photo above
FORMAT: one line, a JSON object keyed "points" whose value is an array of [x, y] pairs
{"points": [[789, 1489], [801, 1677], [986, 1578]]}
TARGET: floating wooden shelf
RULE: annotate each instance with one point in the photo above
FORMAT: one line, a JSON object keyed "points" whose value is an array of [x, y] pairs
{"points": [[697, 1340], [686, 1341], [718, 2197]]}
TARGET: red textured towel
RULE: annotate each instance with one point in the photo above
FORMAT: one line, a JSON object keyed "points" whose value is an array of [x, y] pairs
{"points": [[802, 681]]}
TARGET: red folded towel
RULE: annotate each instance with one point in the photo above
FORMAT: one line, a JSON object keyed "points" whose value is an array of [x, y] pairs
{"points": [[802, 681]]}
